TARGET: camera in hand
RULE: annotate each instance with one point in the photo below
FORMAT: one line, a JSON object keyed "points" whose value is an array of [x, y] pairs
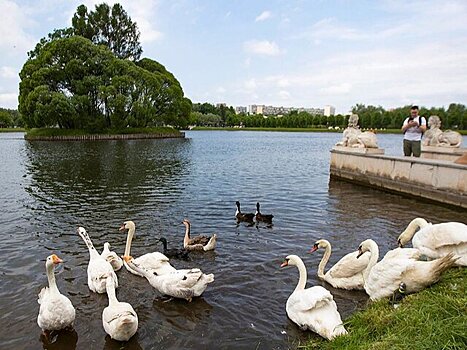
{"points": [[411, 118]]}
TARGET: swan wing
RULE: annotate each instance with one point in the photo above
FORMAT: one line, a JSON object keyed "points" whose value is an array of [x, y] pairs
{"points": [[315, 309], [403, 253], [310, 298], [441, 235], [349, 265], [386, 275]]}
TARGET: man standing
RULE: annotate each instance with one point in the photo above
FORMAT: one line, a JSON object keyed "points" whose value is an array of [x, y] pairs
{"points": [[413, 129]]}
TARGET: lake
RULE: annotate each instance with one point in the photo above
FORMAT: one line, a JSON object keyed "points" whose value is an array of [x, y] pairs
{"points": [[48, 189]]}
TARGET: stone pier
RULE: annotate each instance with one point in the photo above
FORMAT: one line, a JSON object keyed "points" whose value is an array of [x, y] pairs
{"points": [[438, 180]]}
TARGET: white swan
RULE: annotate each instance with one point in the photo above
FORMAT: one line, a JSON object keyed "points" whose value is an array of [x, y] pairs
{"points": [[313, 308], [111, 257], [56, 311], [186, 285], [435, 241], [400, 265], [98, 267], [347, 273], [199, 243], [153, 262], [119, 319]]}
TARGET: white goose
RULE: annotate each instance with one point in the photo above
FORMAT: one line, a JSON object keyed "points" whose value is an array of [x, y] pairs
{"points": [[435, 241], [347, 273], [98, 267], [313, 308], [184, 284], [56, 310], [119, 319], [400, 265], [112, 257], [153, 262]]}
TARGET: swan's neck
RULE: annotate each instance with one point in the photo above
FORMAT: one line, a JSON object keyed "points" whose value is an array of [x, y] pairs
{"points": [[302, 279], [186, 239], [109, 286], [324, 261], [51, 278], [409, 232], [374, 256], [140, 269], [129, 237]]}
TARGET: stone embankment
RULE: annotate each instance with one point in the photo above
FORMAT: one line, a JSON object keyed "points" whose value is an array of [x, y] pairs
{"points": [[99, 137], [438, 180]]}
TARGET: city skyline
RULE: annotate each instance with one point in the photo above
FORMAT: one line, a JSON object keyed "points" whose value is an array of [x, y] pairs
{"points": [[278, 53]]}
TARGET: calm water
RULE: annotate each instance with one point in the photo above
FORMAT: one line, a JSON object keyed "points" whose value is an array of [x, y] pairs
{"points": [[48, 189]]}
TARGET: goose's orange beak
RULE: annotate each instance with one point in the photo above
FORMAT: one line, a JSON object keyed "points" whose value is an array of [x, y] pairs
{"points": [[56, 259], [285, 263]]}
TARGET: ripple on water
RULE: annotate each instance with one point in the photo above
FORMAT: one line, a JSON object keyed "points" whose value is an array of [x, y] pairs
{"points": [[52, 188]]}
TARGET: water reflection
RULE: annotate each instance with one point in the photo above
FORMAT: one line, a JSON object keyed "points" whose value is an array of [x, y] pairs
{"points": [[132, 344], [60, 340], [51, 188]]}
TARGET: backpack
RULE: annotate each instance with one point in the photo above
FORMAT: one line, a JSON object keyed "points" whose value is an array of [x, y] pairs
{"points": [[419, 123]]}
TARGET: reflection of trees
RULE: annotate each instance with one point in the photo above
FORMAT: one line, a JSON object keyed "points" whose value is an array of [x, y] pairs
{"points": [[61, 340], [88, 173]]}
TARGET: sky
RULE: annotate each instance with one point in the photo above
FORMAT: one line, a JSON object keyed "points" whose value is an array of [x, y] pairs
{"points": [[291, 53]]}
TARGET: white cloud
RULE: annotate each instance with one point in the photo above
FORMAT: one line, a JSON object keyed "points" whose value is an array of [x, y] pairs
{"points": [[9, 100], [250, 84], [285, 95], [265, 47], [13, 36], [221, 90], [263, 16], [8, 72]]}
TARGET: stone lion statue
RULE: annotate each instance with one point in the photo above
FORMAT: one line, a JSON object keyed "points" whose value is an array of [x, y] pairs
{"points": [[438, 138], [355, 138]]}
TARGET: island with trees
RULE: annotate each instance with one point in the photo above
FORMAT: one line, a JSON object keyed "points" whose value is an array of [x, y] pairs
{"points": [[90, 79]]}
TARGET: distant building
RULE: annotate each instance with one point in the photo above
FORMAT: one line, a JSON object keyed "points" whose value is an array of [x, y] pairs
{"points": [[219, 105], [279, 111], [241, 109], [329, 110]]}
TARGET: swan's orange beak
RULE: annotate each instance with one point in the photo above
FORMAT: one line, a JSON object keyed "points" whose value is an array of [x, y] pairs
{"points": [[285, 263], [122, 227], [127, 258], [314, 249], [359, 253], [56, 259]]}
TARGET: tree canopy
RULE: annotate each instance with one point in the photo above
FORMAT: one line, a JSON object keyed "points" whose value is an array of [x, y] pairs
{"points": [[109, 26], [74, 83], [89, 76]]}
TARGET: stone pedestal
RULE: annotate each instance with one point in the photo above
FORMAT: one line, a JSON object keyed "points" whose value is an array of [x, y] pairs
{"points": [[443, 153], [359, 150]]}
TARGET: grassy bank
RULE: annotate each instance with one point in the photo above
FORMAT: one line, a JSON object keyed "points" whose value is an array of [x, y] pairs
{"points": [[388, 131], [435, 318], [12, 130], [79, 132]]}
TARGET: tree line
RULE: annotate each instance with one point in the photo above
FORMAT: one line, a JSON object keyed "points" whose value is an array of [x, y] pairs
{"points": [[370, 117], [90, 76]]}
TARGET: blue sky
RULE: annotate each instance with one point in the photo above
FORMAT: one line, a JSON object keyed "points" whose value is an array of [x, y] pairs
{"points": [[278, 52]]}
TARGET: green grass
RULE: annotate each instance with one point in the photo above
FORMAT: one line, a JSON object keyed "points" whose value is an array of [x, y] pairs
{"points": [[387, 131], [79, 132], [435, 318], [12, 130]]}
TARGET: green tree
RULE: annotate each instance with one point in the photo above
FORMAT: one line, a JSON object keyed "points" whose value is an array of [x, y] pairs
{"points": [[109, 26]]}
